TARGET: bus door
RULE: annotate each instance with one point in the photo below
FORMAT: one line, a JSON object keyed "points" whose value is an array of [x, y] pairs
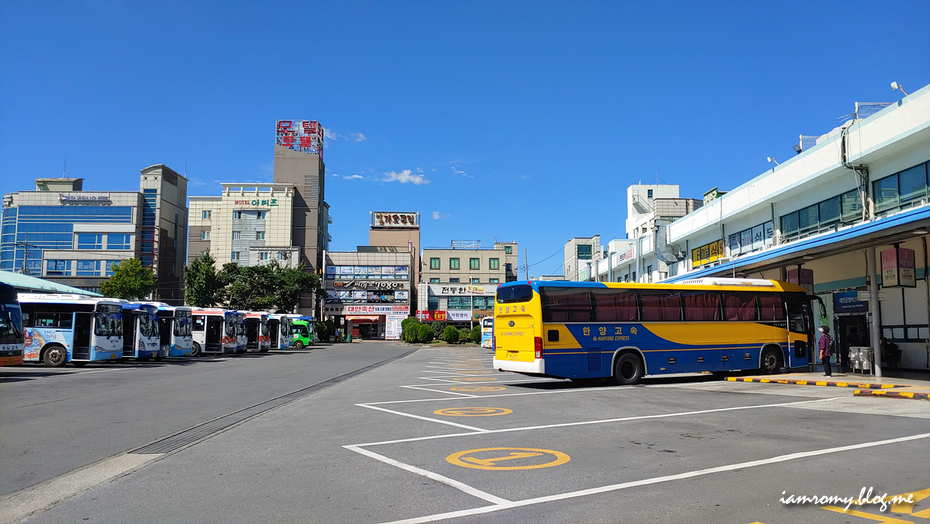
{"points": [[274, 331], [165, 321], [214, 334], [252, 329], [80, 348], [130, 330], [800, 334]]}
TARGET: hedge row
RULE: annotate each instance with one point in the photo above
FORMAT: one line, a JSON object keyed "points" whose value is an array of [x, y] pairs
{"points": [[415, 331]]}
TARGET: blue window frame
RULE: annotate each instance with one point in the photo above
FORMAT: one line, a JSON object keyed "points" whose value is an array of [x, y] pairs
{"points": [[88, 268], [119, 241], [58, 268], [90, 241], [110, 264]]}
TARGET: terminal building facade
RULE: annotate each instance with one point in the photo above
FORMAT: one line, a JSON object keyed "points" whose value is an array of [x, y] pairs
{"points": [[63, 233], [847, 218]]}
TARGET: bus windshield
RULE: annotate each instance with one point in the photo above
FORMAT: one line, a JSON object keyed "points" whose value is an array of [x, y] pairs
{"points": [[182, 324], [148, 325], [511, 294], [108, 320], [11, 322]]}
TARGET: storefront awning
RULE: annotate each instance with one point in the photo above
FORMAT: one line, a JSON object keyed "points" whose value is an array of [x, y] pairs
{"points": [[363, 319]]}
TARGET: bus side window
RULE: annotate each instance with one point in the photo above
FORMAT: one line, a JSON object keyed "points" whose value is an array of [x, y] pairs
{"points": [[701, 305], [740, 306], [660, 305], [198, 323], [552, 335], [571, 306], [615, 305]]}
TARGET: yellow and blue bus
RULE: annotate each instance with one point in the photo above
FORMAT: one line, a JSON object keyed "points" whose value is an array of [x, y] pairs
{"points": [[12, 340], [624, 331]]}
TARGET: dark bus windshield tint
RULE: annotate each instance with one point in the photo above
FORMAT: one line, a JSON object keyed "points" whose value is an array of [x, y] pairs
{"points": [[511, 294]]}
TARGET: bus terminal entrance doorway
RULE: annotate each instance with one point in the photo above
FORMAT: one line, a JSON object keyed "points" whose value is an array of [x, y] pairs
{"points": [[851, 330]]}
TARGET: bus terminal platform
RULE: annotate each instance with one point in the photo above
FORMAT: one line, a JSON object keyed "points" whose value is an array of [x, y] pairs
{"points": [[901, 384]]}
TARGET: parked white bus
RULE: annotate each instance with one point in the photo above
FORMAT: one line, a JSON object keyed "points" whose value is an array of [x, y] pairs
{"points": [[214, 331], [62, 328], [279, 329]]}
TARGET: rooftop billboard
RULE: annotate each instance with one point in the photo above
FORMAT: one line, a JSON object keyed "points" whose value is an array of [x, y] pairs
{"points": [[305, 136]]}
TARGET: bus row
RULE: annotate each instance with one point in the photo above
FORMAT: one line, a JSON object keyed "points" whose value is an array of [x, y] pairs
{"points": [[58, 328]]}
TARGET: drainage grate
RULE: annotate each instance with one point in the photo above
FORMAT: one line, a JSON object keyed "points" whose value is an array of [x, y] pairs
{"points": [[202, 431]]}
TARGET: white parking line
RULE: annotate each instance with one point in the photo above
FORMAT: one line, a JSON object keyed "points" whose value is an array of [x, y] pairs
{"points": [[591, 422], [435, 476], [420, 388], [428, 419], [656, 480]]}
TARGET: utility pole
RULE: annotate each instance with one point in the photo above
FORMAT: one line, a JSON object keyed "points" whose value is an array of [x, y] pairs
{"points": [[24, 243], [526, 266]]}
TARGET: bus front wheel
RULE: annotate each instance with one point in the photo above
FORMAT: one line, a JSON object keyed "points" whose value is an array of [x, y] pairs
{"points": [[628, 370], [55, 356], [299, 344], [771, 361], [195, 351]]}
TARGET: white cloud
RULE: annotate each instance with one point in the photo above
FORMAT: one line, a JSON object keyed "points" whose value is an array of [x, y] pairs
{"points": [[358, 137], [405, 176], [419, 170], [329, 134], [353, 177], [459, 172], [436, 215]]}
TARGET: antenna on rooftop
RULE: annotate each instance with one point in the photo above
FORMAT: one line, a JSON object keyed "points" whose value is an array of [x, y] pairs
{"points": [[64, 170]]}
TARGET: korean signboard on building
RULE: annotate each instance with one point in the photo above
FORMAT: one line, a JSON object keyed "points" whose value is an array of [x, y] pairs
{"points": [[707, 253], [898, 268], [305, 136], [392, 219]]}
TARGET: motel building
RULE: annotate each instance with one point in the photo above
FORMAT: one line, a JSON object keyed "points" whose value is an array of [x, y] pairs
{"points": [[847, 218]]}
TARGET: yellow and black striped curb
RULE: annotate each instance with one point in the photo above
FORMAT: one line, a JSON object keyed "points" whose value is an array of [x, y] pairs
{"points": [[817, 383], [891, 394]]}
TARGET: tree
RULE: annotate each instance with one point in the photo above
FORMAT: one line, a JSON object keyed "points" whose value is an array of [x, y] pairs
{"points": [[248, 287], [450, 335], [290, 283], [424, 333], [476, 334], [130, 281], [202, 285]]}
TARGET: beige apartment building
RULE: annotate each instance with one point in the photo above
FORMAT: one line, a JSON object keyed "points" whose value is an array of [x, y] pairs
{"points": [[248, 224]]}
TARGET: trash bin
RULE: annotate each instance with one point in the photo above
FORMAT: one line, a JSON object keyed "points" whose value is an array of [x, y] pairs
{"points": [[349, 337]]}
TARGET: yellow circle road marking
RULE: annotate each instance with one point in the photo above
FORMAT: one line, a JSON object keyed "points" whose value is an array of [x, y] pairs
{"points": [[474, 379], [473, 412], [489, 458], [475, 389]]}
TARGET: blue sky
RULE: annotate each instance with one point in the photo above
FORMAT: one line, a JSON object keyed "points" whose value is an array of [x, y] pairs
{"points": [[513, 120]]}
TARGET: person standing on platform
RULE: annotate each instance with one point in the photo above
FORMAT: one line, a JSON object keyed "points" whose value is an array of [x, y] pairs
{"points": [[826, 350]]}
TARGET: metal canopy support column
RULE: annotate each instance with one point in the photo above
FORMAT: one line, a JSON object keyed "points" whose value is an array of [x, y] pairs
{"points": [[873, 308]]}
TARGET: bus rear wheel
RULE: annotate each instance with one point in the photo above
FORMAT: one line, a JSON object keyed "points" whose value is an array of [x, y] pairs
{"points": [[771, 361], [55, 356], [628, 370]]}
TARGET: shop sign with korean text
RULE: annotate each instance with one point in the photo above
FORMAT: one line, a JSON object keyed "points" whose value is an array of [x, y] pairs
{"points": [[898, 268]]}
